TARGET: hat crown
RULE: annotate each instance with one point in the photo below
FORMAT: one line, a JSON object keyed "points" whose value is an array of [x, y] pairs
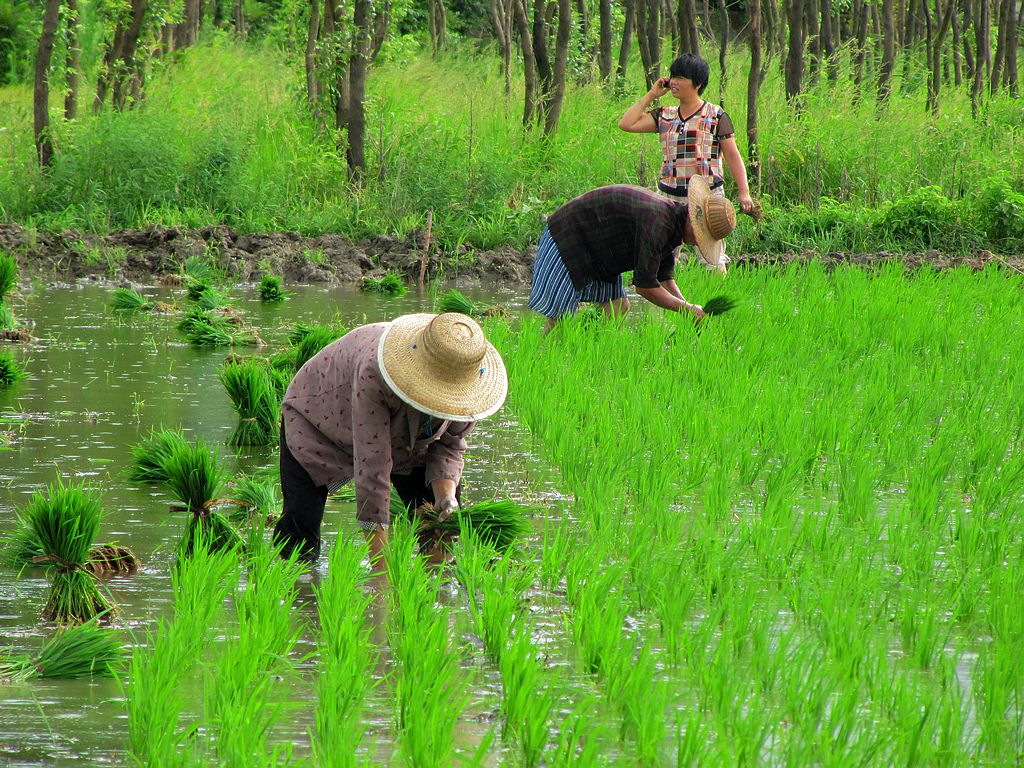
{"points": [[719, 217], [455, 342]]}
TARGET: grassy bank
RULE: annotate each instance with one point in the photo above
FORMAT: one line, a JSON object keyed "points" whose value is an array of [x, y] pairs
{"points": [[225, 137]]}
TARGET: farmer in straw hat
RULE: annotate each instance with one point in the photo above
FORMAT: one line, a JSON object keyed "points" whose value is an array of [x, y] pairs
{"points": [[388, 404], [591, 240]]}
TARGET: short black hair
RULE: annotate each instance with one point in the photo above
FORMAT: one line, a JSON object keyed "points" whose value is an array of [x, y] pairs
{"points": [[693, 68]]}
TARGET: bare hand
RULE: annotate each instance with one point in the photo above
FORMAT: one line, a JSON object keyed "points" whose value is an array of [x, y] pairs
{"points": [[660, 88], [747, 204], [445, 506]]}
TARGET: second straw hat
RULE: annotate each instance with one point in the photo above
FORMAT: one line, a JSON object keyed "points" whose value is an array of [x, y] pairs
{"points": [[713, 218]]}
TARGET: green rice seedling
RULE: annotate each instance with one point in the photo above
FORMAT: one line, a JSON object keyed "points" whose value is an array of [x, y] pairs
{"points": [[455, 301], [503, 588], [578, 745], [526, 703], [206, 328], [254, 396], [239, 681], [127, 300], [8, 323], [153, 692], [196, 478], [310, 339], [718, 305], [270, 289], [429, 687], [195, 287], [64, 523], [389, 285], [259, 499], [10, 369], [497, 523], [347, 658], [200, 268], [82, 650], [8, 275], [557, 542], [150, 455], [210, 299]]}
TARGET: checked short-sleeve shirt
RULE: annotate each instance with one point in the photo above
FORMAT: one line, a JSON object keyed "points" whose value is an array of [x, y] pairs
{"points": [[615, 229]]}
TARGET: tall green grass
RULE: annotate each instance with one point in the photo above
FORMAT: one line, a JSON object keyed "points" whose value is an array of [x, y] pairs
{"points": [[223, 140]]}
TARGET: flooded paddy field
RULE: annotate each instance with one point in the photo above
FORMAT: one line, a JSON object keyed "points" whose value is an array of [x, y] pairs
{"points": [[789, 537]]}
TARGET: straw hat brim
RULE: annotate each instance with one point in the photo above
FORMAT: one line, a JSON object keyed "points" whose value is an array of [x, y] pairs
{"points": [[708, 248], [407, 369]]}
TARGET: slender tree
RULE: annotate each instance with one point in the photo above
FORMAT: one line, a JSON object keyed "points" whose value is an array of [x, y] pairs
{"points": [[362, 20], [795, 56], [530, 84], [41, 91], [753, 94], [312, 34], [554, 106], [626, 43], [74, 59], [604, 42], [888, 51]]}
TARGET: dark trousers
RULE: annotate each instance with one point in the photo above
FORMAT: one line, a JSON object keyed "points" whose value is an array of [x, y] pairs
{"points": [[304, 503]]}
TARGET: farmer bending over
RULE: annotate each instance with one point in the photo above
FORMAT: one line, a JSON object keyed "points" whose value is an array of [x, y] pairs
{"points": [[386, 404], [591, 240]]}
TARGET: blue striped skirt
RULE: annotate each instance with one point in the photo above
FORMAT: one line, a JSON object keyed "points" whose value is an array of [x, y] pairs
{"points": [[551, 289]]}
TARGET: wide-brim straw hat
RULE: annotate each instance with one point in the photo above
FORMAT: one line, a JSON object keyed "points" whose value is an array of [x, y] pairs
{"points": [[443, 365], [713, 218]]}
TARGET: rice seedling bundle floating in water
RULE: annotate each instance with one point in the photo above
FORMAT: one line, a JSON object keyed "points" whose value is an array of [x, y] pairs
{"points": [[258, 499], [390, 285], [64, 523], [270, 289], [10, 370], [196, 287], [254, 394], [83, 650], [221, 328], [456, 301], [210, 298], [22, 548], [150, 456], [126, 301], [196, 478]]}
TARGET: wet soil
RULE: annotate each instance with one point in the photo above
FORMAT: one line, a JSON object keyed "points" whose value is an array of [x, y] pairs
{"points": [[147, 254]]}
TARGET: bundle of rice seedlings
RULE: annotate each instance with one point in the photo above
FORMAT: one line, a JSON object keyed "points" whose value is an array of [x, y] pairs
{"points": [[258, 499], [390, 284], [718, 305], [205, 328], [10, 370], [150, 455], [8, 275], [209, 298], [196, 478], [270, 289], [497, 523], [125, 300], [254, 395], [315, 338], [456, 301], [83, 650], [195, 287], [200, 268], [7, 321], [64, 522], [110, 559]]}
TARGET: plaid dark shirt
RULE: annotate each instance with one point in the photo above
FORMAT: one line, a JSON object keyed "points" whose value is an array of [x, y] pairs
{"points": [[611, 230]]}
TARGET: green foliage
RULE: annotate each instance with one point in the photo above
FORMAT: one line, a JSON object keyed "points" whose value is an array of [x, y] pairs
{"points": [[10, 369], [83, 650], [150, 456], [64, 522], [1000, 215], [389, 285], [270, 289], [127, 301], [926, 219], [308, 340], [455, 301], [254, 395], [8, 275]]}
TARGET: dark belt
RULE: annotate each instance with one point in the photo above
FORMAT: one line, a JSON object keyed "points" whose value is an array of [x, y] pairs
{"points": [[676, 192]]}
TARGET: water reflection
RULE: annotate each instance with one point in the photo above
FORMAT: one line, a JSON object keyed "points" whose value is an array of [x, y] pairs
{"points": [[97, 384]]}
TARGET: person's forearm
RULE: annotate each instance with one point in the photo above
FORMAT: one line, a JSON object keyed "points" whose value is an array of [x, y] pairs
{"points": [[664, 299], [443, 486], [377, 541], [673, 288], [633, 118]]}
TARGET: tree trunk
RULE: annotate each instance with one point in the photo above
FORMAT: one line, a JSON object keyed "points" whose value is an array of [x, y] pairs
{"points": [[1010, 78], [106, 73], [888, 52], [356, 155], [958, 74], [239, 15], [861, 46], [753, 91], [686, 20], [936, 57], [795, 56], [438, 25], [649, 37], [312, 33], [828, 42], [561, 61], [41, 91], [627, 40], [968, 53], [545, 74], [723, 51], [587, 51], [529, 61], [814, 38], [499, 12], [604, 43], [127, 69], [74, 60], [982, 24]]}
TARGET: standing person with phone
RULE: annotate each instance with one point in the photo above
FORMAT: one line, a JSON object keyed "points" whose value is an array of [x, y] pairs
{"points": [[695, 136]]}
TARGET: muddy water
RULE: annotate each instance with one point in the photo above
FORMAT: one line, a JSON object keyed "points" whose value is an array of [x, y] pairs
{"points": [[97, 385]]}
